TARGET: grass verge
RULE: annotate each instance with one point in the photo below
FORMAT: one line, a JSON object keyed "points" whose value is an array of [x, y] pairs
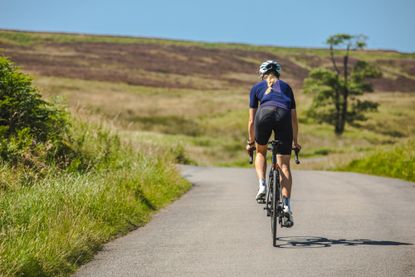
{"points": [[397, 162], [52, 223]]}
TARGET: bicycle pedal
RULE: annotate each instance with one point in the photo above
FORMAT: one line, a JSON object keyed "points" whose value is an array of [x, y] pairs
{"points": [[260, 201], [285, 222], [289, 224]]}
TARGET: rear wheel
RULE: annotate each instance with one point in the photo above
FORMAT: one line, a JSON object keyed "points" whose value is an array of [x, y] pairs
{"points": [[268, 200], [274, 205]]}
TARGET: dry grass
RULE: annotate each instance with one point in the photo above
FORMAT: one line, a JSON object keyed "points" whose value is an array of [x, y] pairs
{"points": [[207, 124], [211, 125]]}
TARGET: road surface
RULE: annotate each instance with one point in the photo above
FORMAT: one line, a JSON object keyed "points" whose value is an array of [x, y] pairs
{"points": [[346, 224]]}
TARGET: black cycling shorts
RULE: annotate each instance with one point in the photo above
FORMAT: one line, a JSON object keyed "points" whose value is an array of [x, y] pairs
{"points": [[268, 119]]}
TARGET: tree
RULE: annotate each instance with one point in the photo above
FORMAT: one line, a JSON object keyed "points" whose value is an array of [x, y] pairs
{"points": [[336, 90]]}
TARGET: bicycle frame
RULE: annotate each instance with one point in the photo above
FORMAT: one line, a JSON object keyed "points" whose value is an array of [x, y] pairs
{"points": [[274, 172], [273, 199]]}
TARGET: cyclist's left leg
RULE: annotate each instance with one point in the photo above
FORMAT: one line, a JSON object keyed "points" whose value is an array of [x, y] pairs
{"points": [[286, 183], [285, 177], [284, 133]]}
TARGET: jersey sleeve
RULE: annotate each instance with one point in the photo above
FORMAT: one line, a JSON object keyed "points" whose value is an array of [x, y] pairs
{"points": [[253, 98], [293, 105]]}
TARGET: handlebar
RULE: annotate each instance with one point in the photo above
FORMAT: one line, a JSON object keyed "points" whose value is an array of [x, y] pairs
{"points": [[251, 155], [296, 152]]}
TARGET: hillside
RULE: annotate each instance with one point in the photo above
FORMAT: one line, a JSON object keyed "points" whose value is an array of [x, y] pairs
{"points": [[179, 64], [193, 95]]}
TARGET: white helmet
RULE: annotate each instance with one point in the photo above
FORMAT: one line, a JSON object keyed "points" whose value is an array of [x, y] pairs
{"points": [[270, 65]]}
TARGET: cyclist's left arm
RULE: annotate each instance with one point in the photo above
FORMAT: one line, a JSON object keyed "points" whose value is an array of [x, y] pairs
{"points": [[294, 121]]}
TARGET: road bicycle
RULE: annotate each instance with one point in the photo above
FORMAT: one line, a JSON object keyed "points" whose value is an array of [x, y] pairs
{"points": [[274, 205]]}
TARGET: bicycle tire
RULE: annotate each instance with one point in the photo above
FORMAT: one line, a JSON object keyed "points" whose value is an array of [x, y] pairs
{"points": [[274, 206], [270, 205], [267, 199]]}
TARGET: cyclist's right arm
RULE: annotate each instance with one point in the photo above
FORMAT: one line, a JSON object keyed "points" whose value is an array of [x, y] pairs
{"points": [[251, 133], [253, 106]]}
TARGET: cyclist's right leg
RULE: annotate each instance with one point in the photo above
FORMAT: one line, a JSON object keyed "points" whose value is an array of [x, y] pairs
{"points": [[263, 124], [261, 166]]}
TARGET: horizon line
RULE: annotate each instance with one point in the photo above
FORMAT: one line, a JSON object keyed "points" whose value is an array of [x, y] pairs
{"points": [[187, 40]]}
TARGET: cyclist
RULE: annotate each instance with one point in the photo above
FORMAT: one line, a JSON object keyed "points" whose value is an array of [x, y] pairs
{"points": [[276, 113]]}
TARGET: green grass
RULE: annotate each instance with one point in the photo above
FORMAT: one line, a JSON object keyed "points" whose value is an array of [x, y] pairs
{"points": [[56, 222], [397, 162]]}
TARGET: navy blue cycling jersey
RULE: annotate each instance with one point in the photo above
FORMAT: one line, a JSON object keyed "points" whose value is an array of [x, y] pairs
{"points": [[281, 95]]}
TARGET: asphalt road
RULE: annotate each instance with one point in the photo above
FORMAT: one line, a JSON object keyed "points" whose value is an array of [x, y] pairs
{"points": [[345, 225]]}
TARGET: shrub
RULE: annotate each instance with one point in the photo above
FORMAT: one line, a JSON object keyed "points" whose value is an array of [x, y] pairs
{"points": [[29, 126]]}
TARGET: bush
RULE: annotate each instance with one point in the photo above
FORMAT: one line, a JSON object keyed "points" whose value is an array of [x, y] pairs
{"points": [[21, 107]]}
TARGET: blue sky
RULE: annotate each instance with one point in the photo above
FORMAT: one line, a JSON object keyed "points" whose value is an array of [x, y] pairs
{"points": [[388, 24]]}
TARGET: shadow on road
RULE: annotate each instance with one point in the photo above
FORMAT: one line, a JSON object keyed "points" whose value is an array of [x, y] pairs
{"points": [[319, 242]]}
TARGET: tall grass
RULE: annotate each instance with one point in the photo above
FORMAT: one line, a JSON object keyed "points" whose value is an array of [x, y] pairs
{"points": [[59, 220]]}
